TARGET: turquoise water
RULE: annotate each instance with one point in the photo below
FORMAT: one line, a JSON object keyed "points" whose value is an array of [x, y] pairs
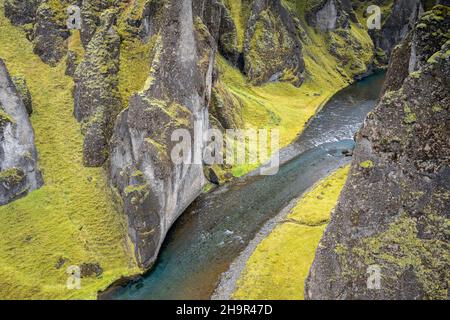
{"points": [[218, 226]]}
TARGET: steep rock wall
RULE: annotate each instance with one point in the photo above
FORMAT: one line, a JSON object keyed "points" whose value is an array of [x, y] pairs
{"points": [[97, 101], [392, 216], [19, 172], [154, 190], [272, 49]]}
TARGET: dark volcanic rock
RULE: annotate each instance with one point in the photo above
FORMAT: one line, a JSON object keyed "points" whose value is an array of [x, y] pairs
{"points": [[216, 16], [97, 101], [90, 270], [91, 12], [21, 11], [393, 214], [19, 173]]}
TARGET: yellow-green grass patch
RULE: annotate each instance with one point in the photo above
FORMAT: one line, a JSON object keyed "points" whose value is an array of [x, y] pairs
{"points": [[278, 267]]}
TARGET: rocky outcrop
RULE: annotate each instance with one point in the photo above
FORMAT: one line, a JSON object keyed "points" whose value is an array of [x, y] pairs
{"points": [[143, 19], [19, 173], [329, 15], [225, 108], [91, 12], [153, 189], [45, 22], [97, 101], [21, 12], [272, 49], [217, 17], [412, 54], [50, 31], [388, 237]]}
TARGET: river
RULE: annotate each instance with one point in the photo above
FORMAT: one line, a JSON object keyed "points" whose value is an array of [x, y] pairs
{"points": [[219, 225]]}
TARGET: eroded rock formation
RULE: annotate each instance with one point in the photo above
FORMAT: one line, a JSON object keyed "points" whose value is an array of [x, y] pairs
{"points": [[272, 49], [97, 100], [19, 172], [393, 217], [154, 190]]}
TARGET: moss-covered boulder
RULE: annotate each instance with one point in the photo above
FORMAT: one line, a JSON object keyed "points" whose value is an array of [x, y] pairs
{"points": [[97, 100], [19, 172], [388, 237], [50, 30]]}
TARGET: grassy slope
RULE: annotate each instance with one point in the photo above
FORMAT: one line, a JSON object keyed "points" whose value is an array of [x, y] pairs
{"points": [[283, 106], [280, 264], [71, 216]]}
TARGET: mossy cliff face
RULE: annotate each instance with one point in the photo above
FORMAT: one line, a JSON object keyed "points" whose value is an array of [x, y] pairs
{"points": [[328, 15], [45, 22], [97, 99], [393, 212], [19, 172], [272, 48]]}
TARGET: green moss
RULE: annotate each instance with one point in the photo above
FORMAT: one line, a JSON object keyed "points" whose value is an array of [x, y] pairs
{"points": [[4, 117], [314, 208], [415, 74], [367, 164], [136, 189], [135, 65], [437, 108], [429, 259], [57, 9], [410, 117], [12, 175], [72, 215], [137, 174], [240, 11]]}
